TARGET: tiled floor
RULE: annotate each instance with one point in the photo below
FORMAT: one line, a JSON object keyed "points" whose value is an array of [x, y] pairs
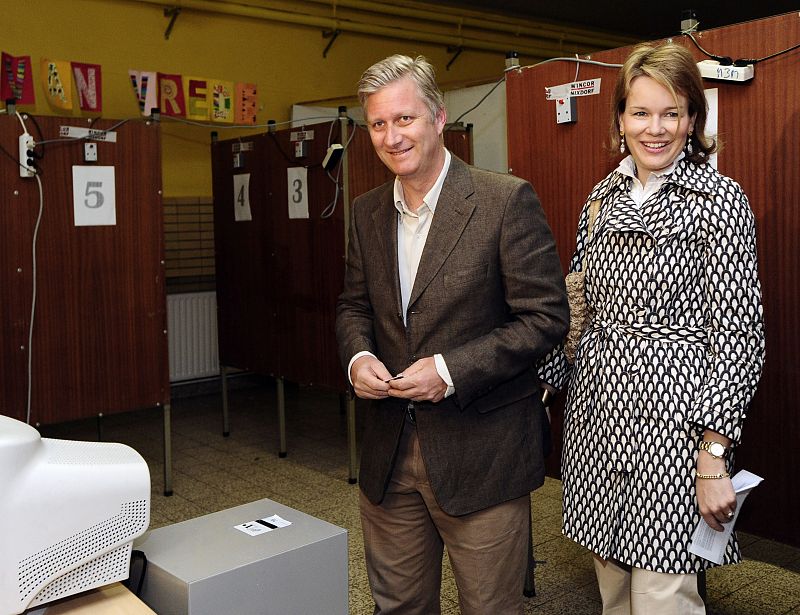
{"points": [[211, 473]]}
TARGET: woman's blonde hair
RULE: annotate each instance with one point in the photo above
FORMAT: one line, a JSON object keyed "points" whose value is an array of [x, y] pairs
{"points": [[673, 67]]}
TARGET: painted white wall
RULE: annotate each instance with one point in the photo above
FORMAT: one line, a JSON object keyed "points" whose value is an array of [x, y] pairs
{"points": [[489, 142]]}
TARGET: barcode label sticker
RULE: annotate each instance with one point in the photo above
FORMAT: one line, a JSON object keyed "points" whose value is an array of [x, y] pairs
{"points": [[260, 526]]}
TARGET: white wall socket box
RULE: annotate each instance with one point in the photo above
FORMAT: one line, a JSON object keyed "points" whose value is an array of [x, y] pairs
{"points": [[26, 144], [90, 152], [711, 69], [566, 110]]}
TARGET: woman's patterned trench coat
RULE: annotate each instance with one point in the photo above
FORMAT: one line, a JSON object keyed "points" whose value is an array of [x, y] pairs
{"points": [[676, 345]]}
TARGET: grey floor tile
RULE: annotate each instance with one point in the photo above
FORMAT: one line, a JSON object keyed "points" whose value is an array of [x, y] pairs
{"points": [[565, 604], [771, 552]]}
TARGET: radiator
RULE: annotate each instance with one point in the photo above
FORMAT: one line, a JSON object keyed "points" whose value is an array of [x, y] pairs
{"points": [[192, 336]]}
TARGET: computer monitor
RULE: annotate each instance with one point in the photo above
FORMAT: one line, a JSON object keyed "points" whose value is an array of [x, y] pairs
{"points": [[69, 512]]}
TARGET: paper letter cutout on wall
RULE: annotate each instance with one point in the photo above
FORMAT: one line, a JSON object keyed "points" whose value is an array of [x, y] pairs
{"points": [[246, 103], [57, 83], [221, 101], [297, 181], [94, 196], [241, 198], [88, 83], [145, 87], [17, 79], [197, 94], [171, 98]]}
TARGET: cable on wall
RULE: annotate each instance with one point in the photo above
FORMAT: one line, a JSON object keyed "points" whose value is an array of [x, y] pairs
{"points": [[37, 172], [478, 104], [87, 137], [33, 298], [728, 61], [328, 211], [33, 273]]}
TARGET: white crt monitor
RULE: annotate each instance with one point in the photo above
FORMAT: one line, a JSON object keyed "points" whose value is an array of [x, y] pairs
{"points": [[69, 512]]}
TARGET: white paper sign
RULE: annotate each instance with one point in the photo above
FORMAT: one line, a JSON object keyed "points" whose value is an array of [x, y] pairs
{"points": [[94, 196], [301, 135], [260, 526], [587, 87], [76, 132], [297, 178], [241, 198]]}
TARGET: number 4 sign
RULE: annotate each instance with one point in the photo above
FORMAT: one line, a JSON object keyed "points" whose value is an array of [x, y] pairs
{"points": [[94, 196], [241, 198]]}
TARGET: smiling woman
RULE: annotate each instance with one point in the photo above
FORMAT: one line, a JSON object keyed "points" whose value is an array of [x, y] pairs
{"points": [[654, 127], [661, 109], [671, 280]]}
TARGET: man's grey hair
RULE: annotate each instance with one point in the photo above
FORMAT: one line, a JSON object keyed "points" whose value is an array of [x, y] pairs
{"points": [[396, 67]]}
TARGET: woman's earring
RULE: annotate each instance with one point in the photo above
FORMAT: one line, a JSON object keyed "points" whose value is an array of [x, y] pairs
{"points": [[689, 148], [621, 141]]}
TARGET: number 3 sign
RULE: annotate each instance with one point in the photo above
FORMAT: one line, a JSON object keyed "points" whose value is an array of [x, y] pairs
{"points": [[94, 196], [297, 180]]}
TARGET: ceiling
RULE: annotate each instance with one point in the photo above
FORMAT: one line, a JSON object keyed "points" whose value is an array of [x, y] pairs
{"points": [[641, 19]]}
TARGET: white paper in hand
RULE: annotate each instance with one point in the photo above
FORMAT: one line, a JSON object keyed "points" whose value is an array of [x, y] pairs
{"points": [[710, 544]]}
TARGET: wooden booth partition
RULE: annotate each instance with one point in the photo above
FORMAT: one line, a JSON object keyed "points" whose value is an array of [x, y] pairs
{"points": [[99, 334], [246, 318], [759, 125], [278, 277]]}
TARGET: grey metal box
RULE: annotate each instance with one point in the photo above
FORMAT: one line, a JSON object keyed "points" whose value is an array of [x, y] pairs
{"points": [[205, 566]]}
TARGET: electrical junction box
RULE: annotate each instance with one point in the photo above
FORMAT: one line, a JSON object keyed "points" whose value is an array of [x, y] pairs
{"points": [[90, 152], [26, 157], [711, 69], [566, 110]]}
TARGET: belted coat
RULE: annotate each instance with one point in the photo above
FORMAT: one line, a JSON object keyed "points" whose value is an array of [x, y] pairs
{"points": [[675, 346]]}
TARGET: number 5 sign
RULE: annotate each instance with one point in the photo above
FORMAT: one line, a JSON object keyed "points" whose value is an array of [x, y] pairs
{"points": [[94, 196]]}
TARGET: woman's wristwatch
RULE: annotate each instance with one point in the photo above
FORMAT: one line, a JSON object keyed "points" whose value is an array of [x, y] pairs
{"points": [[715, 449]]}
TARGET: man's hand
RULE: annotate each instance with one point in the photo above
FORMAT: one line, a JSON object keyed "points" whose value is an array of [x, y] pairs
{"points": [[368, 375], [420, 382]]}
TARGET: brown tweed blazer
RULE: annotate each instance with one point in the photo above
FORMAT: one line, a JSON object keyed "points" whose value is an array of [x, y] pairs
{"points": [[489, 296]]}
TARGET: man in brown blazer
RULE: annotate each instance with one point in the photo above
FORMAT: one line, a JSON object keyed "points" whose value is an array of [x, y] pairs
{"points": [[453, 291]]}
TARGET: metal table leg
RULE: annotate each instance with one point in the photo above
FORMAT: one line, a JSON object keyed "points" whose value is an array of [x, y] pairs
{"points": [[167, 449], [226, 424], [281, 418]]}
